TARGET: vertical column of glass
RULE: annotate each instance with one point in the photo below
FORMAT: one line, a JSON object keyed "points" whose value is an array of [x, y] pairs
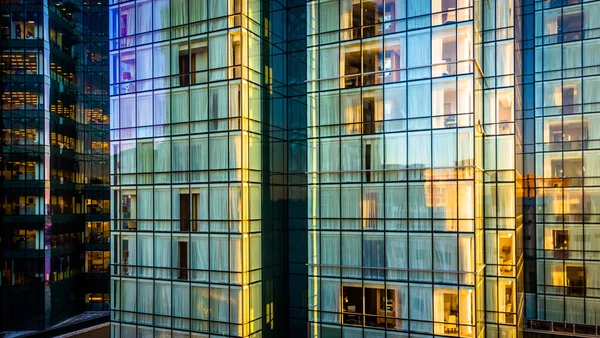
{"points": [[185, 167], [566, 160], [392, 194], [501, 220]]}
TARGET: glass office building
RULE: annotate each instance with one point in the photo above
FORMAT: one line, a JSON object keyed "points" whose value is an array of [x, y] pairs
{"points": [[561, 193], [195, 191], [395, 169], [54, 161], [353, 168]]}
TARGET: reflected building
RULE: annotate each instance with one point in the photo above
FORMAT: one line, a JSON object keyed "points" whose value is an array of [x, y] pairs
{"points": [[54, 251]]}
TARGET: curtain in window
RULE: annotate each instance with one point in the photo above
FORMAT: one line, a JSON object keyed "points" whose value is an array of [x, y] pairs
{"points": [[144, 17], [351, 201], [419, 53], [351, 159], [181, 305], [161, 53], [180, 102], [571, 55], [217, 8], [445, 253], [330, 159], [144, 114], [505, 57], [179, 14], [591, 18], [145, 255], [162, 255], [419, 153], [145, 207], [128, 14], [395, 102], [219, 304], [351, 111], [127, 110], [444, 148], [127, 157], [200, 303], [420, 308], [417, 204], [199, 103], [329, 66], [329, 109], [591, 53], [396, 255], [145, 154], [417, 8], [197, 10], [219, 253], [162, 155], [162, 108], [199, 257], [218, 102], [161, 14], [592, 271], [420, 251], [330, 300], [329, 16], [419, 99], [465, 147], [330, 206], [144, 67], [162, 302], [351, 254], [114, 112], [396, 205], [217, 50], [396, 156], [591, 88], [144, 301], [235, 203], [181, 152], [199, 152], [128, 287], [330, 253], [505, 146], [374, 255], [466, 259], [218, 203]]}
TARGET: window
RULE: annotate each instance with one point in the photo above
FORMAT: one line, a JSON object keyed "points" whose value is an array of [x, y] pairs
{"points": [[571, 24], [380, 306], [454, 308], [560, 239], [576, 285], [505, 253], [182, 260], [184, 212]]}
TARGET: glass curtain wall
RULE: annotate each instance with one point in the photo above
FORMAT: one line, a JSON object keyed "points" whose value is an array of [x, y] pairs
{"points": [[185, 168], [565, 195], [394, 234], [502, 218], [54, 159]]}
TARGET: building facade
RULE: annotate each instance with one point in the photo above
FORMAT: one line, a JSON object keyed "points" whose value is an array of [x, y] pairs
{"points": [[353, 168], [560, 121], [54, 161], [196, 196]]}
